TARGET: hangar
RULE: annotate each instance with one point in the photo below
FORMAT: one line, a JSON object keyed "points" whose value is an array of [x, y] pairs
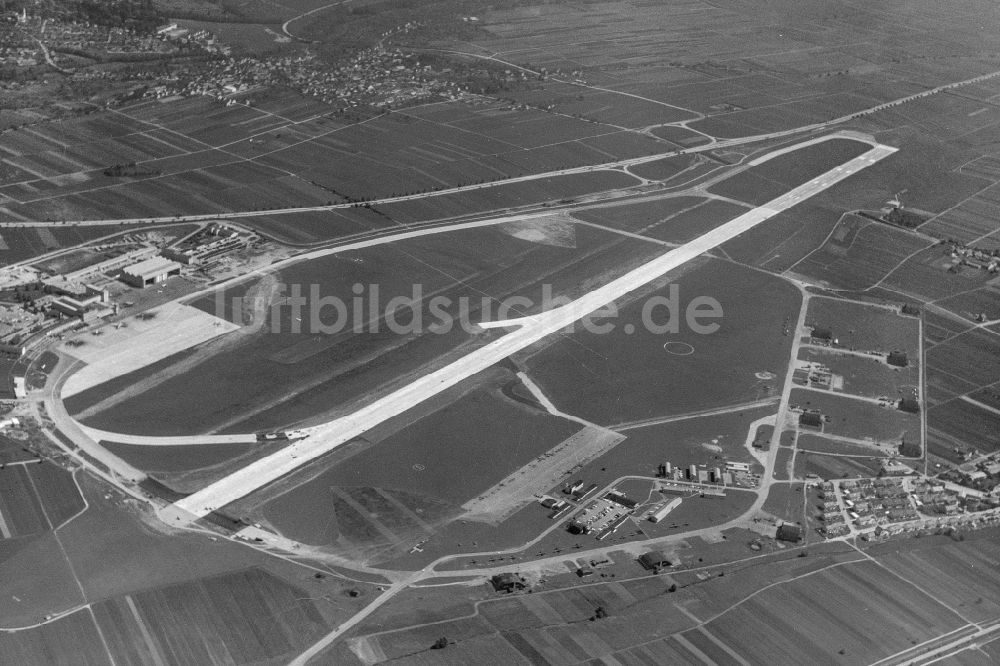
{"points": [[150, 271]]}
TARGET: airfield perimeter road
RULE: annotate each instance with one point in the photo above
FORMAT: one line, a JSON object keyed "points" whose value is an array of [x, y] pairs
{"points": [[323, 439]]}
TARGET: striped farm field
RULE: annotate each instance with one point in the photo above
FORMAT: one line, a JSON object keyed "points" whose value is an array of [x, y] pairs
{"points": [[857, 610], [69, 641], [243, 617], [964, 575]]}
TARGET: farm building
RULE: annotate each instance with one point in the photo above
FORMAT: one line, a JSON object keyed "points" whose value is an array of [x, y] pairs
{"points": [[811, 419], [909, 405], [653, 560], [151, 271], [788, 532], [898, 359]]}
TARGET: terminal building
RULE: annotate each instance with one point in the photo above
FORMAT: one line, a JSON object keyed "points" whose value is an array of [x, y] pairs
{"points": [[149, 272], [91, 305]]}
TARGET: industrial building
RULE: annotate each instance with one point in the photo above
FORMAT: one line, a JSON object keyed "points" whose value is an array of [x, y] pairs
{"points": [[659, 513], [111, 264], [208, 244], [151, 271]]}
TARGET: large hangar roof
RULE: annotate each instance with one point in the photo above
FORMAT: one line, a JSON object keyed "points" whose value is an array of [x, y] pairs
{"points": [[152, 267]]}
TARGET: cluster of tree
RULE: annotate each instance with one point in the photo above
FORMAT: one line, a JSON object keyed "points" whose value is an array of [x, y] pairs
{"points": [[138, 15], [904, 218], [910, 449]]}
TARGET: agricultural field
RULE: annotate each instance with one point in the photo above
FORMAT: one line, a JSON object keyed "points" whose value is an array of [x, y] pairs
{"points": [[961, 575], [925, 277], [69, 641], [36, 498], [243, 617], [646, 623], [192, 622], [634, 373], [858, 254], [969, 425], [981, 304], [20, 244], [814, 615], [859, 420], [973, 222], [867, 377], [963, 364], [863, 327], [199, 156]]}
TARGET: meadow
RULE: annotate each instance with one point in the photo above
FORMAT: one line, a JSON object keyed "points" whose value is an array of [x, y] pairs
{"points": [[293, 371], [621, 376]]}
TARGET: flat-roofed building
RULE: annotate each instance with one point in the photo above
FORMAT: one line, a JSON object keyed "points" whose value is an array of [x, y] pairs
{"points": [[151, 271]]}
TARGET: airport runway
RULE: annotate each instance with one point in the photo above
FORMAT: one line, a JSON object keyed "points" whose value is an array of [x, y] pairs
{"points": [[325, 438]]}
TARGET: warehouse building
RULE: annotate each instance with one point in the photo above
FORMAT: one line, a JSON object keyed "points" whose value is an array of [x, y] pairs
{"points": [[662, 510], [151, 271]]}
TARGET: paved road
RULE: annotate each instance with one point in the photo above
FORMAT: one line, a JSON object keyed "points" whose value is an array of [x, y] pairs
{"points": [[171, 440], [323, 439], [284, 26]]}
